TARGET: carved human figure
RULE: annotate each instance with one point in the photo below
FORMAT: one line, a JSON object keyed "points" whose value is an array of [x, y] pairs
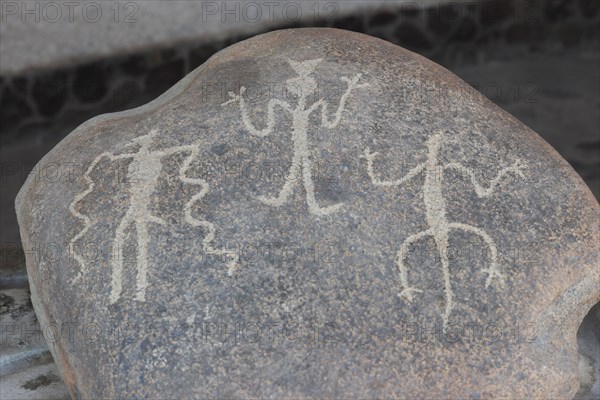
{"points": [[435, 214], [301, 168], [143, 173]]}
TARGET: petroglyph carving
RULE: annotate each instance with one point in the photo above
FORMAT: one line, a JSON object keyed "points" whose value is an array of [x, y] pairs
{"points": [[301, 168], [143, 173], [435, 214]]}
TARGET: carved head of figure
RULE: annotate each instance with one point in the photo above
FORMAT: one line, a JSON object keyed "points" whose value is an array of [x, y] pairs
{"points": [[145, 141], [303, 85]]}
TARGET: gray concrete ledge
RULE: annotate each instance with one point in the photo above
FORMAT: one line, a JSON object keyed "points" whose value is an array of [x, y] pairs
{"points": [[49, 34]]}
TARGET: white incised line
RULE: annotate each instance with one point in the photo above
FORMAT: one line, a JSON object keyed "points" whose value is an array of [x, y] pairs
{"points": [[438, 225], [304, 85], [143, 173]]}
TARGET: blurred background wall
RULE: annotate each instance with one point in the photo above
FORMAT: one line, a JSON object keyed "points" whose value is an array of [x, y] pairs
{"points": [[62, 63]]}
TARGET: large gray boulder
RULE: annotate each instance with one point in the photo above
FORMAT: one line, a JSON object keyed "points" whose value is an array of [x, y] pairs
{"points": [[312, 213]]}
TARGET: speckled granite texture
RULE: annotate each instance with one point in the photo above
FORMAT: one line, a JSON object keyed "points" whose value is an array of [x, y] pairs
{"points": [[541, 63], [394, 233]]}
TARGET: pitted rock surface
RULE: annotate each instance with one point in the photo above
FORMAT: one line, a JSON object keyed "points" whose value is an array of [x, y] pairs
{"points": [[312, 213]]}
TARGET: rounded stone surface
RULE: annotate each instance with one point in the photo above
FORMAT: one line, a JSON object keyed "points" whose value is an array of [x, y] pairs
{"points": [[311, 213]]}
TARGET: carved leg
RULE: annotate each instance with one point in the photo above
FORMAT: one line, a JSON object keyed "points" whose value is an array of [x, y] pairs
{"points": [[407, 291], [117, 254], [492, 271], [441, 241], [141, 231], [288, 187], [309, 186]]}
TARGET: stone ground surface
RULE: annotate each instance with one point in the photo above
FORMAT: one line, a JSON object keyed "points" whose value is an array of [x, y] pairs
{"points": [[27, 370], [38, 382]]}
